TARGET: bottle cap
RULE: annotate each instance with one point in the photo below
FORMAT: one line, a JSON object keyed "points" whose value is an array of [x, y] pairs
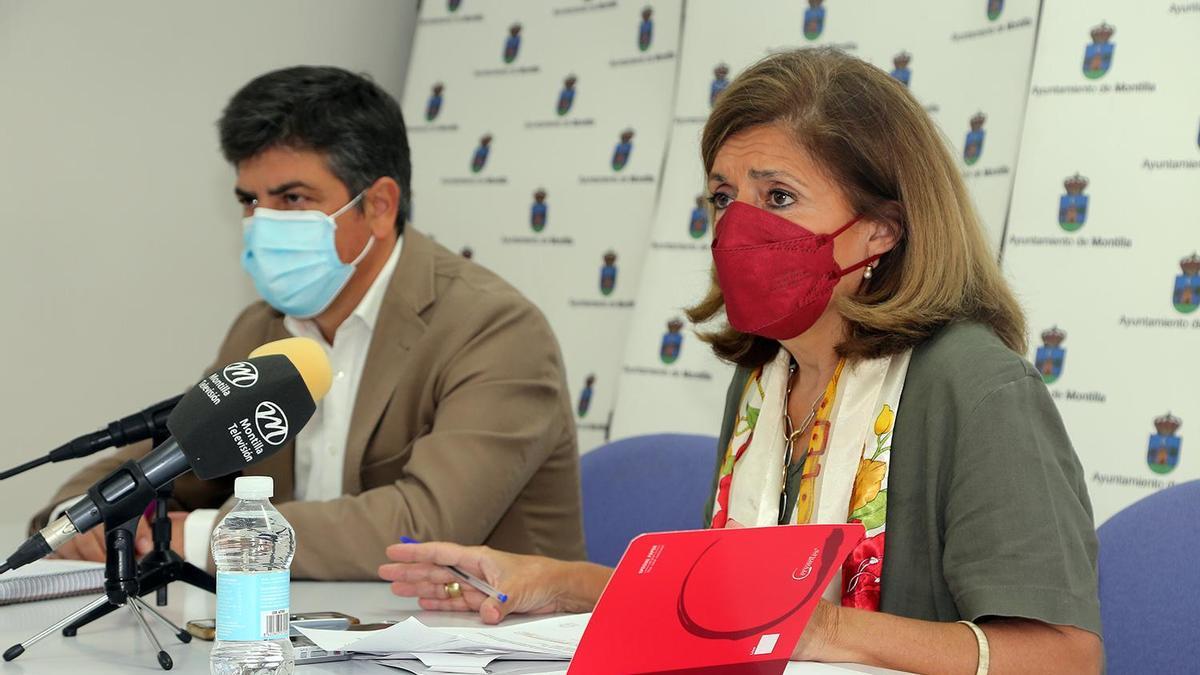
{"points": [[254, 487]]}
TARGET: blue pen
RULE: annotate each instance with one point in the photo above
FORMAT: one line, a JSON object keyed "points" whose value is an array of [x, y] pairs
{"points": [[479, 584]]}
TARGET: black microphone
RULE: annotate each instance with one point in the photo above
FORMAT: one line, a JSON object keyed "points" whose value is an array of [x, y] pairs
{"points": [[234, 418], [130, 429]]}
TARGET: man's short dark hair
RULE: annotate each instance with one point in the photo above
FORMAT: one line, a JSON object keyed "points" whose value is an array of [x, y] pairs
{"points": [[346, 117]]}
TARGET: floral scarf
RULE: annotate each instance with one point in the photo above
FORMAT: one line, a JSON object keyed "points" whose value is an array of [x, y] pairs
{"points": [[845, 471]]}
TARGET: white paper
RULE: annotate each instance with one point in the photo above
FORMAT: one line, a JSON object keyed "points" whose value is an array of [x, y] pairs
{"points": [[455, 660], [406, 636], [554, 638], [496, 668]]}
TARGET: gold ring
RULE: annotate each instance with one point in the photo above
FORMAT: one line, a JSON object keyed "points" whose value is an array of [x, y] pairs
{"points": [[453, 590]]}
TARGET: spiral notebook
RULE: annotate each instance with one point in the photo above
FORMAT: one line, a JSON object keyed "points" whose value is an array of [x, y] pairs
{"points": [[46, 579]]}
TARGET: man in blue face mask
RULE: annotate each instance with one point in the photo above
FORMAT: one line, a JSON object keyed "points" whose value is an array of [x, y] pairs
{"points": [[448, 417]]}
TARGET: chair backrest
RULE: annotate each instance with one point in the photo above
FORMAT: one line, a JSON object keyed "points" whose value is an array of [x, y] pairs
{"points": [[1150, 583], [642, 484]]}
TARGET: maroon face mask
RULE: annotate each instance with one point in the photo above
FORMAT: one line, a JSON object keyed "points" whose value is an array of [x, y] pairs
{"points": [[776, 276]]}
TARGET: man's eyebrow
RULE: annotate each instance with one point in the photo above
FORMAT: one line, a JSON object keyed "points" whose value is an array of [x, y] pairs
{"points": [[244, 194], [280, 189]]}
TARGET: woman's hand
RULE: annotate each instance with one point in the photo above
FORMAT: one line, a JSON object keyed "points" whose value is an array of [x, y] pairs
{"points": [[533, 584]]}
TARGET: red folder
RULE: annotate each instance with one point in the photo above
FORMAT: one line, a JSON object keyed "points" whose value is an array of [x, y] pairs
{"points": [[712, 601]]}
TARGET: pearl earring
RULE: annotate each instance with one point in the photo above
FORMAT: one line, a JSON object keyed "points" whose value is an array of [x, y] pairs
{"points": [[867, 273]]}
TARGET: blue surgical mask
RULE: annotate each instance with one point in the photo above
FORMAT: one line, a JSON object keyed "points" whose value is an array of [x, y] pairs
{"points": [[293, 261]]}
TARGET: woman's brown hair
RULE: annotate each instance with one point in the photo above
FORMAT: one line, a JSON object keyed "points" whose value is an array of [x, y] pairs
{"points": [[882, 149]]}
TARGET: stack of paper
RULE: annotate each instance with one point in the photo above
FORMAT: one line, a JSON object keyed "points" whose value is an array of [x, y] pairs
{"points": [[411, 645]]}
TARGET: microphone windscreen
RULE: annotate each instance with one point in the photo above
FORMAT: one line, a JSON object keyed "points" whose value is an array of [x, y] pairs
{"points": [[308, 357], [248, 410]]}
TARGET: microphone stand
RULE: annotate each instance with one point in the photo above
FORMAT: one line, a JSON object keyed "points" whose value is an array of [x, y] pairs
{"points": [[165, 562], [126, 580], [122, 588], [156, 570]]}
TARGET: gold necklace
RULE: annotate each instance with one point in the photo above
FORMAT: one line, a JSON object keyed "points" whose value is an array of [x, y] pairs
{"points": [[792, 432], [790, 444]]}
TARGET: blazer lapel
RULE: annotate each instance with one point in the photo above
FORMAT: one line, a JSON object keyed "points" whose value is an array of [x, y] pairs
{"points": [[399, 326]]}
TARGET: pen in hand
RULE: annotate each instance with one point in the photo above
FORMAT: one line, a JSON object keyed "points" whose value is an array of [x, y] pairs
{"points": [[479, 584]]}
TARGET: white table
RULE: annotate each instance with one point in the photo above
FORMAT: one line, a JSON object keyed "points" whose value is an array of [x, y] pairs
{"points": [[115, 644]]}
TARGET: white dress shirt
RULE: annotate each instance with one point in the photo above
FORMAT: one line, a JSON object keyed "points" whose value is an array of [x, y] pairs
{"points": [[321, 444]]}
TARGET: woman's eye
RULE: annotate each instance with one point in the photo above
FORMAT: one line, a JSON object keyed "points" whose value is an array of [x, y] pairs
{"points": [[720, 200], [780, 199]]}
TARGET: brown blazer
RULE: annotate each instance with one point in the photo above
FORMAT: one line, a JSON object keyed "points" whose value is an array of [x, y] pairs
{"points": [[462, 429]]}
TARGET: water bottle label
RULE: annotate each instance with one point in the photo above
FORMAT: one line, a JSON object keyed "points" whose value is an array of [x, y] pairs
{"points": [[253, 606]]}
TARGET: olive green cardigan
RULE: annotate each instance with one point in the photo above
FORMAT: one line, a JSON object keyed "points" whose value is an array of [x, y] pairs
{"points": [[988, 512]]}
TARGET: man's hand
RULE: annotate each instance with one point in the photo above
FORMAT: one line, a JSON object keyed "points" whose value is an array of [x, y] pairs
{"points": [[90, 545]]}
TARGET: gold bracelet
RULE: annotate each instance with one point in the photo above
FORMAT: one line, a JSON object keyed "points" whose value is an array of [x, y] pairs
{"points": [[985, 654]]}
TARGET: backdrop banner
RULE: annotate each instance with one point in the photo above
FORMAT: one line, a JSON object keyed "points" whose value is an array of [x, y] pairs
{"points": [[538, 131], [1104, 260]]}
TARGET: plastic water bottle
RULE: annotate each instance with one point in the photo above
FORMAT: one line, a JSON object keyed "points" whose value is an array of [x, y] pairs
{"points": [[253, 548]]}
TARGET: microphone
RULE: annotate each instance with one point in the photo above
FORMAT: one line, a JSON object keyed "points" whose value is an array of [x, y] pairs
{"points": [[236, 417], [130, 429]]}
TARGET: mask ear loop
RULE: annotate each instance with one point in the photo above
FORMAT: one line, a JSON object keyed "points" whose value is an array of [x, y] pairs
{"points": [[869, 261], [352, 202], [861, 264], [836, 233], [370, 242]]}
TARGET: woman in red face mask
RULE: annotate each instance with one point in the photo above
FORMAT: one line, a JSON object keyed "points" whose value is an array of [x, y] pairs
{"points": [[880, 381]]}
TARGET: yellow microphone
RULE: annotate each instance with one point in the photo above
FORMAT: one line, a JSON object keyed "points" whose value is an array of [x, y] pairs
{"points": [[308, 357]]}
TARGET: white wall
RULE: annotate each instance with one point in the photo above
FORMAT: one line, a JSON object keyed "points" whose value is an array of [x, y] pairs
{"points": [[119, 234]]}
